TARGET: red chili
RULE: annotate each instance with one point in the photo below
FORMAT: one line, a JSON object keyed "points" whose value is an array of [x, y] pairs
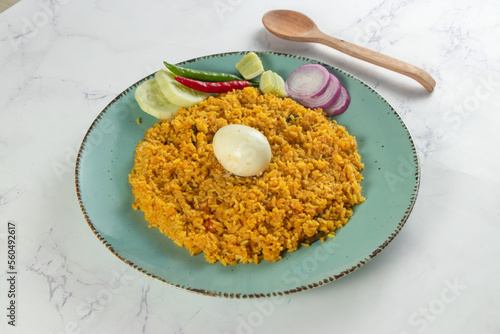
{"points": [[210, 226], [214, 87]]}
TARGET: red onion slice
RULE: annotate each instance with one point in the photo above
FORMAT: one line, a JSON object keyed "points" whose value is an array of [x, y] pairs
{"points": [[340, 105], [325, 100], [307, 81]]}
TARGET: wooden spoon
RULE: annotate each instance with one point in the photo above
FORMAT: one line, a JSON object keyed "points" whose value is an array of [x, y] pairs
{"points": [[295, 26]]}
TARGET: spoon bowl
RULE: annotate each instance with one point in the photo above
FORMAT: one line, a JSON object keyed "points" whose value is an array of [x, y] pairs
{"points": [[288, 24], [295, 26]]}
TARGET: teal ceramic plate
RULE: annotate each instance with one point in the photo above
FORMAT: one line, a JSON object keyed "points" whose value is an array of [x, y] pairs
{"points": [[391, 182]]}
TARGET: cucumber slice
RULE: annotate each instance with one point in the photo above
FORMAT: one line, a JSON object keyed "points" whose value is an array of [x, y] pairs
{"points": [[250, 66], [152, 101], [272, 82], [176, 92]]}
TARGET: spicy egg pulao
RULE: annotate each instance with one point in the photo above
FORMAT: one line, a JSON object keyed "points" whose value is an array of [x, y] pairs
{"points": [[307, 192]]}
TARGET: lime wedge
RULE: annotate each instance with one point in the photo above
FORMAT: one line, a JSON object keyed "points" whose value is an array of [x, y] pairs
{"points": [[152, 101], [250, 66], [272, 82], [176, 92]]}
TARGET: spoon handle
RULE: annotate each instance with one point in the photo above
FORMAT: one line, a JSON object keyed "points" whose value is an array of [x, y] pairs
{"points": [[379, 59]]}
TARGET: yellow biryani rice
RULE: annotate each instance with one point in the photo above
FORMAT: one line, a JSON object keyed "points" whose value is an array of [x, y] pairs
{"points": [[307, 192]]}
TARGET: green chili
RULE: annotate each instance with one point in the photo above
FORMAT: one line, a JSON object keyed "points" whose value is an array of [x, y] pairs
{"points": [[201, 75]]}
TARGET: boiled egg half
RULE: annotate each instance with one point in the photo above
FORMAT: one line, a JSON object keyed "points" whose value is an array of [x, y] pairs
{"points": [[242, 150]]}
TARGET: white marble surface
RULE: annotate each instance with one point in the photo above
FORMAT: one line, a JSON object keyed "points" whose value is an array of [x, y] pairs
{"points": [[62, 61]]}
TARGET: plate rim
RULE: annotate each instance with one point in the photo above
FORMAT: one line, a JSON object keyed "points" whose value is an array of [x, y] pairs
{"points": [[390, 238]]}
